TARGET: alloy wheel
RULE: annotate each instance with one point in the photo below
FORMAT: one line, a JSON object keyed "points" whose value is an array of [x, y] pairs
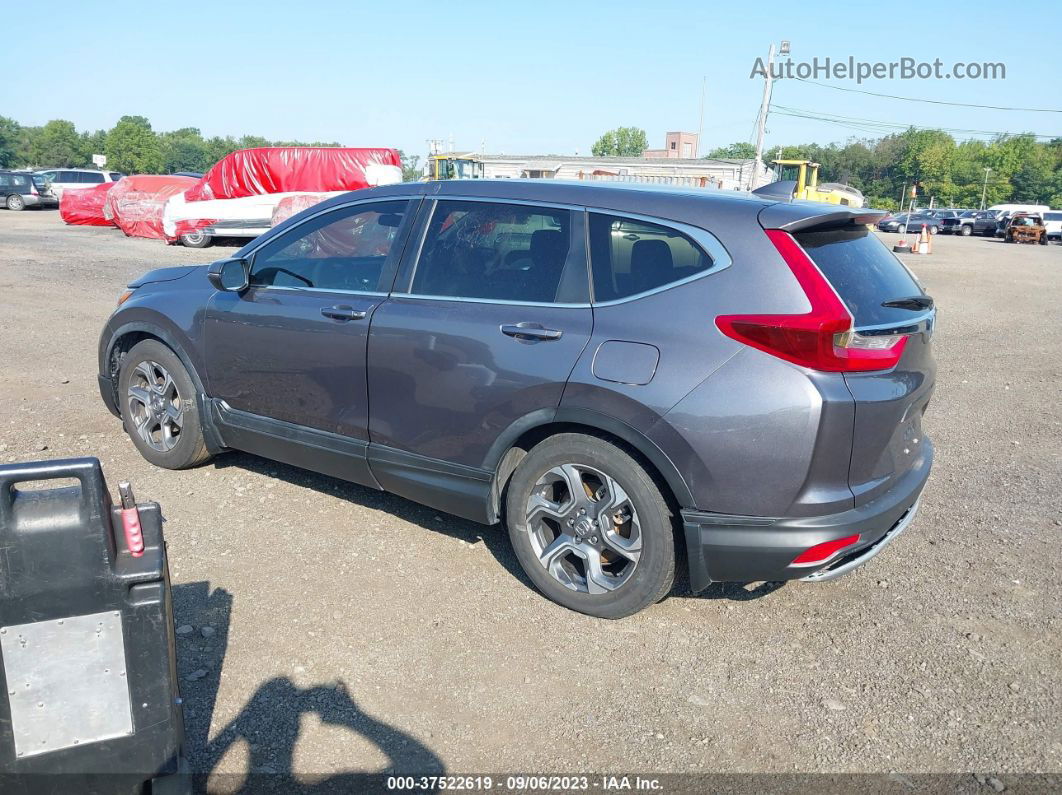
{"points": [[584, 528], [155, 406]]}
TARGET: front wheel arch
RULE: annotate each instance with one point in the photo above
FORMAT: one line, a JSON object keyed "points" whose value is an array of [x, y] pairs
{"points": [[122, 341]]}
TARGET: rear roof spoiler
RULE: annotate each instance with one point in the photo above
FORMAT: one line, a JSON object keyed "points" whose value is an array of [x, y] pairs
{"points": [[800, 216]]}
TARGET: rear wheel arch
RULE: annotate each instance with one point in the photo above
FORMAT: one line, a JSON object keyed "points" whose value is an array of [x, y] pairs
{"points": [[517, 440]]}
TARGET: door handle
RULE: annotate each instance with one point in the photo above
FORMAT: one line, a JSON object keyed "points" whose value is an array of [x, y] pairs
{"points": [[342, 313], [531, 331]]}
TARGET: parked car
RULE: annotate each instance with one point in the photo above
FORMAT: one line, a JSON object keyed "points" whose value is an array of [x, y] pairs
{"points": [[62, 178], [987, 221], [911, 222], [1025, 228], [960, 224], [1053, 222], [583, 363], [19, 190]]}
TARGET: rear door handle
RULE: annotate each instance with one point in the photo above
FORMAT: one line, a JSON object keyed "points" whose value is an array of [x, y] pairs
{"points": [[342, 313], [531, 331]]}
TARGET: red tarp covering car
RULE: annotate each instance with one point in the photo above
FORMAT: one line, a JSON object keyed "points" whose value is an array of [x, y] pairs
{"points": [[84, 206], [284, 169], [135, 203]]}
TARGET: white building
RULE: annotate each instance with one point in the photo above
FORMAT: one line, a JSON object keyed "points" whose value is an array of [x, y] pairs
{"points": [[699, 172]]}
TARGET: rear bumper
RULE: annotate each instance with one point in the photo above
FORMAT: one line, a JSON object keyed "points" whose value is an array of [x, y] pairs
{"points": [[40, 201], [725, 548]]}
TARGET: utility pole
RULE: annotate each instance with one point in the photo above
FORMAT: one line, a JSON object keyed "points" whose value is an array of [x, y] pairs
{"points": [[984, 188], [700, 124], [761, 122]]}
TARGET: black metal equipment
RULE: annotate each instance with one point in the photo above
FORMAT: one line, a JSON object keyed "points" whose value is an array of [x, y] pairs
{"points": [[87, 665]]}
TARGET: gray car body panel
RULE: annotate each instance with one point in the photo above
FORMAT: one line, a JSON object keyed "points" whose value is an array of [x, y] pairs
{"points": [[424, 396]]}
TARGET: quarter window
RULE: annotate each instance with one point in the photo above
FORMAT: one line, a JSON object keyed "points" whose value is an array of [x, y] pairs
{"points": [[629, 256], [494, 251], [342, 250], [91, 176]]}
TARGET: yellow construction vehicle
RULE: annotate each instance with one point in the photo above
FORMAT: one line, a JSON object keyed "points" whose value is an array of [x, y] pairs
{"points": [[451, 166], [805, 176]]}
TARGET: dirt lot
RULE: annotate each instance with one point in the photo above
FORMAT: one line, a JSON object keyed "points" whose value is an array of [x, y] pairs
{"points": [[350, 630]]}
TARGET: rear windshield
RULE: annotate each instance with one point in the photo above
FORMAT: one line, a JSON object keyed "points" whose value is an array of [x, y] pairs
{"points": [[863, 272]]}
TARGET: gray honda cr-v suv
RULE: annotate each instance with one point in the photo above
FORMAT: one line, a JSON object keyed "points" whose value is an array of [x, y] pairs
{"points": [[595, 366]]}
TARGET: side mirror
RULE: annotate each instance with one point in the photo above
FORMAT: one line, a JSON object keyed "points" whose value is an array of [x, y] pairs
{"points": [[230, 275]]}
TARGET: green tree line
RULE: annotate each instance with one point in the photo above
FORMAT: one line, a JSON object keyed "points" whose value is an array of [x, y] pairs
{"points": [[952, 173], [131, 146]]}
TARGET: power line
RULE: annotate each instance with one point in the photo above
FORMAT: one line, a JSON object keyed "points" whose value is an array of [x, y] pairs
{"points": [[929, 101], [874, 125]]}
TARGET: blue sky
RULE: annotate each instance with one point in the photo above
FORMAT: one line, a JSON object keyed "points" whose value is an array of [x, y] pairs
{"points": [[528, 77]]}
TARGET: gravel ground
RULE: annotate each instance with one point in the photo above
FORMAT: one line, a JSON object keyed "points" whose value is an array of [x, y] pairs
{"points": [[324, 627]]}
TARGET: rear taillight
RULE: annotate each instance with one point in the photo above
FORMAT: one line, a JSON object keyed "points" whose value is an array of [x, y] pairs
{"points": [[822, 339], [820, 553]]}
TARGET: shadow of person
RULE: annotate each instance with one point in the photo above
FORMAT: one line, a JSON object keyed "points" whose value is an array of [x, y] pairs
{"points": [[269, 724]]}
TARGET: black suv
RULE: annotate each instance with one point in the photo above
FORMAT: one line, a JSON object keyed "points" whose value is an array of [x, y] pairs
{"points": [[20, 189]]}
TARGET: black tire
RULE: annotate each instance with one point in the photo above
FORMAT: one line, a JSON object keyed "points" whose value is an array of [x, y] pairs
{"points": [[1043, 240], [966, 230], [654, 573], [188, 445], [15, 202], [197, 239], [989, 233], [934, 230]]}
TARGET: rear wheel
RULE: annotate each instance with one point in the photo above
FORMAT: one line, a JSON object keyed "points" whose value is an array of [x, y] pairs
{"points": [[15, 202], [934, 229], [196, 239], [158, 407], [590, 527]]}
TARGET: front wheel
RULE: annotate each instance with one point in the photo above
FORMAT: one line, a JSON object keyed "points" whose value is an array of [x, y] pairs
{"points": [[196, 239], [15, 202], [590, 527], [158, 407], [966, 231]]}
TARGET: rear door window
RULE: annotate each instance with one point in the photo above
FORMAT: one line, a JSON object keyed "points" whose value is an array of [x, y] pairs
{"points": [[91, 176], [863, 272], [631, 256], [494, 251]]}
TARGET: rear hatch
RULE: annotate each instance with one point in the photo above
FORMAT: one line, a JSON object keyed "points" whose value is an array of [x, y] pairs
{"points": [[885, 300], [43, 186]]}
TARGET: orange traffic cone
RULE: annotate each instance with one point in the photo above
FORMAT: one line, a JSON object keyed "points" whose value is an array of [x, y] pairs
{"points": [[923, 241]]}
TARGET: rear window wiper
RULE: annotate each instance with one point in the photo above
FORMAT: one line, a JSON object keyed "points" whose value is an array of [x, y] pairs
{"points": [[911, 302]]}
